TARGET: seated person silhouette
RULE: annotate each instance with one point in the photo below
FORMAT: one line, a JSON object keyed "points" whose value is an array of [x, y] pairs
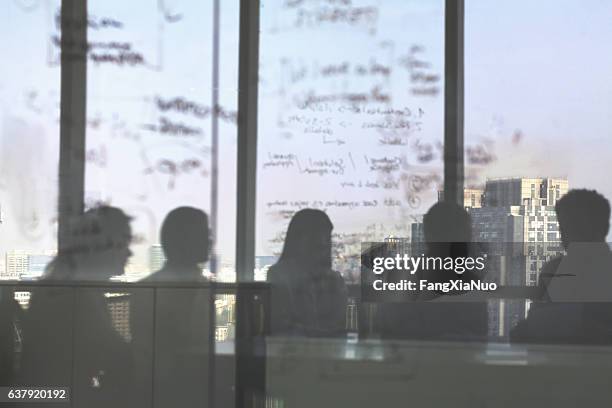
{"points": [[185, 241], [309, 298], [10, 317], [179, 338], [575, 288], [68, 334], [432, 315]]}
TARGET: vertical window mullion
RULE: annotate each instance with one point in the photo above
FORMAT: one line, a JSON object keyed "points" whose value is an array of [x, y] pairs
{"points": [[453, 101], [73, 111], [248, 83]]}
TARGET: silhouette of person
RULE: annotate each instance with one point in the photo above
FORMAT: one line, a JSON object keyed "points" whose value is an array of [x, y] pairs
{"points": [[185, 242], [584, 273], [576, 287], [308, 297], [69, 337], [10, 315], [175, 327], [434, 315]]}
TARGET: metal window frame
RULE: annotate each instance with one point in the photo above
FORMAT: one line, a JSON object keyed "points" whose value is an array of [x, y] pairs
{"points": [[73, 115], [453, 100], [73, 139], [73, 120], [247, 123]]}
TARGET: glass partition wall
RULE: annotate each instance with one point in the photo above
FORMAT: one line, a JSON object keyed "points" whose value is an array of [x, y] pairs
{"points": [[159, 159]]}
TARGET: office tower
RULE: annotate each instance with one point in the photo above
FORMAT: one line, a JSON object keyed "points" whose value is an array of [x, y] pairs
{"points": [[156, 258], [119, 308], [417, 236], [524, 191], [519, 223], [225, 317], [472, 197], [399, 245], [16, 264], [23, 265], [521, 210]]}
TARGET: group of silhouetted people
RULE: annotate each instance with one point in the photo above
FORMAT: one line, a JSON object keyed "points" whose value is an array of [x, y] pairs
{"points": [[68, 335]]}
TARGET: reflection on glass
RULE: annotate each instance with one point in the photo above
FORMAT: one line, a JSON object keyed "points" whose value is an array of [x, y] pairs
{"points": [[29, 140], [534, 127], [149, 109], [350, 120]]}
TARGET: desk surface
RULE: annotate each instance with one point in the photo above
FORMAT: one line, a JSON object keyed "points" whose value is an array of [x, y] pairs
{"points": [[374, 373]]}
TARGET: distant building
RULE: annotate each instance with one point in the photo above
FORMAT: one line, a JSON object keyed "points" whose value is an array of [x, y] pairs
{"points": [[157, 259], [119, 308], [16, 264], [417, 237], [517, 220], [23, 265], [524, 191], [472, 197], [37, 264]]}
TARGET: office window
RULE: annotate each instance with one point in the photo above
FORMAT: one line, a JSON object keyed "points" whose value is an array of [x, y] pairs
{"points": [[150, 118], [536, 85], [29, 140], [350, 119]]}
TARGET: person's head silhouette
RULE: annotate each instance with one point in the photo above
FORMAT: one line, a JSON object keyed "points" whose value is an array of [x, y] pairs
{"points": [[447, 222], [185, 237], [98, 248], [308, 239], [584, 216], [447, 230]]}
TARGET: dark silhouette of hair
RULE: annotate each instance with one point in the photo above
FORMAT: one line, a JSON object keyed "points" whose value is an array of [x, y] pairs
{"points": [[584, 216], [447, 233], [447, 222], [308, 239], [308, 298], [98, 246], [185, 236]]}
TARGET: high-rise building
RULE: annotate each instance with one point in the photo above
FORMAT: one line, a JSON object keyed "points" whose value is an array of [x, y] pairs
{"points": [[505, 192], [119, 309], [472, 197], [23, 265], [16, 264], [37, 264], [519, 223], [156, 257]]}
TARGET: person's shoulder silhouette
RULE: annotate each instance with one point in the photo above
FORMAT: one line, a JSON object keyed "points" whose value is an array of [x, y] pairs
{"points": [[576, 287], [170, 323], [584, 273], [309, 297], [70, 329], [434, 315]]}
